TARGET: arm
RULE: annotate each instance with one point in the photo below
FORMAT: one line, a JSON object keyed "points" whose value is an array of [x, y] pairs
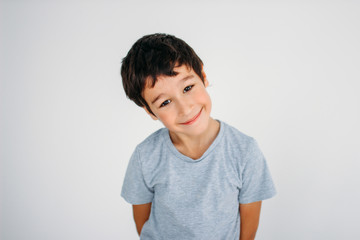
{"points": [[249, 217], [141, 215]]}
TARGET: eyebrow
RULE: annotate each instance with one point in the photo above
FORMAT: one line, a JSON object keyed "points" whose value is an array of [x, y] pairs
{"points": [[183, 79]]}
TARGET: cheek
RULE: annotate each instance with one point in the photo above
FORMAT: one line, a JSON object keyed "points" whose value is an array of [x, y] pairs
{"points": [[204, 98], [206, 102], [166, 116]]}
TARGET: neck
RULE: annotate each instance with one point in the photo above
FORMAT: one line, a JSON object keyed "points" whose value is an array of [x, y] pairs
{"points": [[195, 146]]}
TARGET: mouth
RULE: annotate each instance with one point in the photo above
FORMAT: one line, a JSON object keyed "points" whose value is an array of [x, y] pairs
{"points": [[193, 119]]}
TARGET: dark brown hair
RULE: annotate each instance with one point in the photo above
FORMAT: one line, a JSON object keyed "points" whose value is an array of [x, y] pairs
{"points": [[152, 56]]}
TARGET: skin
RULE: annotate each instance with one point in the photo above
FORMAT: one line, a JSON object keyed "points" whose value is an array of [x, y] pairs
{"points": [[183, 105], [141, 215], [249, 220], [179, 99]]}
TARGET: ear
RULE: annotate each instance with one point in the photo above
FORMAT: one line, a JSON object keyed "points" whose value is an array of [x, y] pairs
{"points": [[206, 82], [151, 115]]}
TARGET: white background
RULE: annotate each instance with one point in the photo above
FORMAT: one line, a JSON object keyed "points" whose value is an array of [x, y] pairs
{"points": [[283, 72]]}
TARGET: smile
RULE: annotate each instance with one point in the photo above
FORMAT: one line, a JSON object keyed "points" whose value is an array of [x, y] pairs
{"points": [[193, 119]]}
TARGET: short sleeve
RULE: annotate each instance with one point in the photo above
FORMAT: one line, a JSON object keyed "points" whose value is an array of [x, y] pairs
{"points": [[257, 183], [134, 189]]}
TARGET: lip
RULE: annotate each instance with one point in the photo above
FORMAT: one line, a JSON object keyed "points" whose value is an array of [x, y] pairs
{"points": [[193, 119]]}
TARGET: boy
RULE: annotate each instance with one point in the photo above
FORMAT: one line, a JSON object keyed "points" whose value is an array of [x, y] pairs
{"points": [[197, 178]]}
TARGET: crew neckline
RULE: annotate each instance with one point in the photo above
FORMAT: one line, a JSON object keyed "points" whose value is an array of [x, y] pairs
{"points": [[206, 153]]}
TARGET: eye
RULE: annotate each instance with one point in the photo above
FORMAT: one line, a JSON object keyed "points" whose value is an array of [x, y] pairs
{"points": [[165, 103], [188, 88]]}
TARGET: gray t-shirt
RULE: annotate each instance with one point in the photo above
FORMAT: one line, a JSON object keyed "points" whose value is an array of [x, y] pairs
{"points": [[196, 199]]}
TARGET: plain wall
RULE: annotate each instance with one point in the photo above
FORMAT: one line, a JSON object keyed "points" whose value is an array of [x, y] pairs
{"points": [[283, 72]]}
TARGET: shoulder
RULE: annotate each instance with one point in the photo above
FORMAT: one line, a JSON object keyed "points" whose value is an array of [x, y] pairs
{"points": [[236, 137], [151, 148], [236, 144], [152, 140], [154, 137]]}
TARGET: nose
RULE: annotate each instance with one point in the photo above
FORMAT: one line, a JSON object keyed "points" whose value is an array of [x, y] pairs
{"points": [[185, 108]]}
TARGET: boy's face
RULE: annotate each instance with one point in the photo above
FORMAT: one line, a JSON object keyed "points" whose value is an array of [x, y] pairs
{"points": [[180, 102]]}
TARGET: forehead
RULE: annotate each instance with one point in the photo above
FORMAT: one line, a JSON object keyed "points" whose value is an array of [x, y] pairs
{"points": [[180, 71], [162, 83]]}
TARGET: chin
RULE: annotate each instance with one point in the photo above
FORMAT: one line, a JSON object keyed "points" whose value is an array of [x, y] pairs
{"points": [[200, 128]]}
